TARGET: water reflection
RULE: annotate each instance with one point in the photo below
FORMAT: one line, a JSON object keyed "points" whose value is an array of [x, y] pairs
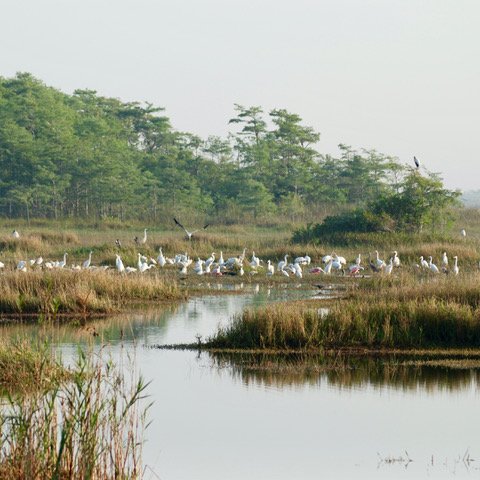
{"points": [[349, 372]]}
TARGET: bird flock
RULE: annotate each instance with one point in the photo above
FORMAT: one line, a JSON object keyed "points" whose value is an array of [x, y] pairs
{"points": [[238, 265]]}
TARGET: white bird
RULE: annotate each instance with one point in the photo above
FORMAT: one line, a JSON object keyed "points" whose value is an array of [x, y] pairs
{"points": [[328, 266], [432, 266], [241, 272], [300, 260], [340, 259], [326, 258], [388, 268], [64, 261], [22, 266], [221, 261], [444, 261], [455, 269], [358, 260], [88, 261], [270, 269], [2, 265], [183, 270], [379, 263], [463, 232], [210, 260], [130, 269], [188, 233], [282, 263], [423, 263], [307, 259], [15, 234], [119, 264], [144, 239], [161, 259], [255, 262], [298, 270], [39, 261], [198, 267], [140, 261], [284, 273], [396, 259], [146, 266]]}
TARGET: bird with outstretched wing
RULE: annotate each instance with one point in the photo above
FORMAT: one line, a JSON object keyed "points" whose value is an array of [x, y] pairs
{"points": [[188, 233]]}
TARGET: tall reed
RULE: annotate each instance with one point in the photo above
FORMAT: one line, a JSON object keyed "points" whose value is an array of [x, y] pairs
{"points": [[89, 427]]}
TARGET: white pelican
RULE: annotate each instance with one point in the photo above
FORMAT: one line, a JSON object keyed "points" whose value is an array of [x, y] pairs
{"points": [[189, 234], [432, 266]]}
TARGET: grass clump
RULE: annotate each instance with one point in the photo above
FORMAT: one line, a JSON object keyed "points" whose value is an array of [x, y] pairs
{"points": [[25, 367], [85, 292], [356, 323], [87, 427]]}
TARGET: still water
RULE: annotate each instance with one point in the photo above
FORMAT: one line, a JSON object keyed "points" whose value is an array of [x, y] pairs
{"points": [[219, 420]]}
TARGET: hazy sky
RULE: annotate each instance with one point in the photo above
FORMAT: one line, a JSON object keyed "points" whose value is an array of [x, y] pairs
{"points": [[401, 76]]}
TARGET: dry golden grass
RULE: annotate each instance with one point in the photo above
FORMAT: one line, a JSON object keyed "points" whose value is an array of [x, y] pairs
{"points": [[84, 292]]}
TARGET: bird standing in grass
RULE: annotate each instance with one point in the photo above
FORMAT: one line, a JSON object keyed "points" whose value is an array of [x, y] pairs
{"points": [[88, 261], [455, 268], [415, 160], [432, 266]]}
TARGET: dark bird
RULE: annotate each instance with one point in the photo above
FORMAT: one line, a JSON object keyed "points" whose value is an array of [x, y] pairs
{"points": [[417, 163], [118, 243], [189, 234], [136, 240]]}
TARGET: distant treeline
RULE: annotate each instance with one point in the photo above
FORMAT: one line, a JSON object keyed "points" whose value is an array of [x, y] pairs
{"points": [[88, 156]]}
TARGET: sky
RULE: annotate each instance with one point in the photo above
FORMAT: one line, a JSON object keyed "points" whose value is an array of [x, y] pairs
{"points": [[399, 76]]}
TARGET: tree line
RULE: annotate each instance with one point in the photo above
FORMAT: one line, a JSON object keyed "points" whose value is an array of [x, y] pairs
{"points": [[88, 156]]}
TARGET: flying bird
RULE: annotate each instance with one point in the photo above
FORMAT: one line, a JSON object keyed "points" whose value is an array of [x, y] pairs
{"points": [[189, 234], [417, 163]]}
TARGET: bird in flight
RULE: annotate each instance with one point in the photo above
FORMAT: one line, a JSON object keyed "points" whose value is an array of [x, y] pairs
{"points": [[189, 234], [417, 163]]}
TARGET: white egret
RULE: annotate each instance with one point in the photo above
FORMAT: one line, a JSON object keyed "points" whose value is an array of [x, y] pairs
{"points": [[432, 266], [88, 261]]}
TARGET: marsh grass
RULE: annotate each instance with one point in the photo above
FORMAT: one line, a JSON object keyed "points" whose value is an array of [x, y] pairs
{"points": [[404, 312], [88, 427], [85, 292], [26, 367]]}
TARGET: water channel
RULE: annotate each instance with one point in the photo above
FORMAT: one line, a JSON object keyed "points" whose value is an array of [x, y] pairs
{"points": [[217, 420]]}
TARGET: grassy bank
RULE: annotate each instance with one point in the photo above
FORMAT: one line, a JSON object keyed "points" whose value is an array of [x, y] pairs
{"points": [[407, 312], [84, 422], [85, 292]]}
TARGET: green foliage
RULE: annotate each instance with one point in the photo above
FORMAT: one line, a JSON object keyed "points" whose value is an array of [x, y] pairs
{"points": [[88, 156], [418, 202]]}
